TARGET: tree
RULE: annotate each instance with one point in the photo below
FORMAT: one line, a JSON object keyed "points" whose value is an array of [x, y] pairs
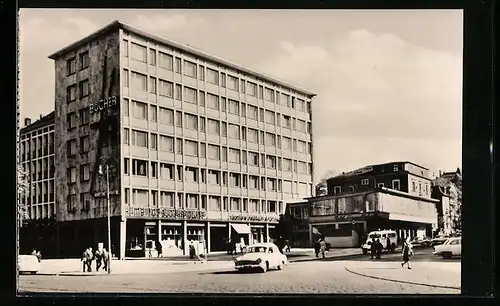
{"points": [[23, 186]]}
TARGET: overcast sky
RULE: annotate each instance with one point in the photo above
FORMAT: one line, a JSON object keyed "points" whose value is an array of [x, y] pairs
{"points": [[388, 83]]}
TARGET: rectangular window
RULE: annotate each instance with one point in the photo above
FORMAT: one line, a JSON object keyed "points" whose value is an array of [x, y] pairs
{"points": [[213, 152], [213, 127], [253, 159], [72, 174], [84, 172], [192, 201], [153, 113], [84, 116], [214, 203], [139, 167], [190, 95], [212, 76], [301, 146], [139, 53], [202, 98], [271, 139], [224, 129], [287, 164], [152, 85], [178, 119], [301, 106], [223, 104], [271, 162], [212, 101], [242, 86], [166, 199], [71, 147], [232, 82], [126, 136], [261, 92], [178, 63], [233, 131], [223, 79], [125, 78], [178, 92], [125, 47], [201, 72], [71, 93], [234, 107], [235, 204], [190, 69], [166, 143], [191, 122], [84, 144], [203, 150], [166, 116], [191, 148], [84, 60], [284, 100], [166, 171], [152, 57], [139, 81], [253, 112], [140, 110], [224, 154], [270, 117], [70, 120], [252, 89], [166, 61], [268, 94], [234, 156], [139, 139], [253, 135], [396, 185], [166, 89], [202, 124], [153, 141], [140, 197], [71, 66]]}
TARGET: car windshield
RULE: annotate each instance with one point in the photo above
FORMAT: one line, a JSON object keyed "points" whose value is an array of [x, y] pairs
{"points": [[374, 236], [257, 249]]}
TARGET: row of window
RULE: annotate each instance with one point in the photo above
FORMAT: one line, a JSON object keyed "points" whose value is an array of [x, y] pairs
{"points": [[420, 190], [205, 176], [166, 61], [28, 135], [41, 211], [39, 146], [83, 114], [140, 110], [396, 185], [42, 192], [166, 143], [40, 169], [83, 63], [84, 173]]}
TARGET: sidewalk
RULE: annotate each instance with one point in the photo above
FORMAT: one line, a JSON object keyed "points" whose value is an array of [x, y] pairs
{"points": [[433, 274], [177, 264]]}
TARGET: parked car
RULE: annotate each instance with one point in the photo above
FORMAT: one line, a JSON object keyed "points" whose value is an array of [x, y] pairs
{"points": [[439, 239], [450, 248], [382, 235], [28, 264], [262, 256], [421, 242]]}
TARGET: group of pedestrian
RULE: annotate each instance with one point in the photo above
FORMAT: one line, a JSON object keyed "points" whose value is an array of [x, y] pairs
{"points": [[320, 247], [101, 257], [377, 247], [37, 254], [194, 251]]}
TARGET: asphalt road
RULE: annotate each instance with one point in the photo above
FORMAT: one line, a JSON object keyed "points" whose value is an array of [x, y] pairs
{"points": [[328, 277], [420, 255]]}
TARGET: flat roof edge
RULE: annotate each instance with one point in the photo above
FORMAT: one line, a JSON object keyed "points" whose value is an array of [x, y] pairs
{"points": [[116, 25]]}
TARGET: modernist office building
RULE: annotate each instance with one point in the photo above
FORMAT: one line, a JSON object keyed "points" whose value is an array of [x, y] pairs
{"points": [[198, 148], [37, 201]]}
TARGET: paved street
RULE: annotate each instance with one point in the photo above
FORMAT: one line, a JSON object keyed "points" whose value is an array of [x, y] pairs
{"points": [[302, 277]]}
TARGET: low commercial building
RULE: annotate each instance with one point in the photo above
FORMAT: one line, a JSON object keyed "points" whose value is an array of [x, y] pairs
{"points": [[297, 217], [359, 202]]}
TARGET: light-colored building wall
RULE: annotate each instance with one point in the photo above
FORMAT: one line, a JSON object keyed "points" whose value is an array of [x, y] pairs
{"points": [[419, 186]]}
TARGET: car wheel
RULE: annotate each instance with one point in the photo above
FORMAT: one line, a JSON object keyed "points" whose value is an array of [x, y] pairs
{"points": [[446, 255], [281, 265], [393, 248], [265, 267]]}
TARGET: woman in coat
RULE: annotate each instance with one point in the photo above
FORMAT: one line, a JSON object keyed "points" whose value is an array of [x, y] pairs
{"points": [[407, 253]]}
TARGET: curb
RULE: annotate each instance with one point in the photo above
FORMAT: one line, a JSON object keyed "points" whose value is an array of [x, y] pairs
{"points": [[340, 257], [401, 281]]}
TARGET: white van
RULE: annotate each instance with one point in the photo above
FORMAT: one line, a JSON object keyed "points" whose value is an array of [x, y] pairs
{"points": [[382, 236]]}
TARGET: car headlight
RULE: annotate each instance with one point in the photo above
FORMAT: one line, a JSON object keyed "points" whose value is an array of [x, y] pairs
{"points": [[258, 261], [236, 261]]}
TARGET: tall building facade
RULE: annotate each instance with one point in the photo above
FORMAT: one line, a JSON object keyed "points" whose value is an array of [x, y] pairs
{"points": [[198, 148]]}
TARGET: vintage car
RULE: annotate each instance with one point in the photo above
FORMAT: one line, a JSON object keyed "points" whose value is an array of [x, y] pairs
{"points": [[450, 248], [262, 256], [28, 264], [382, 236], [423, 242], [439, 239]]}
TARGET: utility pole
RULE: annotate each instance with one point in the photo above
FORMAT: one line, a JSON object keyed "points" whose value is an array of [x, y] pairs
{"points": [[108, 209]]}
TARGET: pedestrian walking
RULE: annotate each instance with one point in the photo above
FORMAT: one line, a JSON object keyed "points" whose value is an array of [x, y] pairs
{"points": [[98, 259], [228, 246], [158, 248], [322, 244], [287, 246], [373, 248], [379, 248], [37, 254], [407, 253], [105, 259], [317, 248], [192, 251], [87, 258], [388, 244]]}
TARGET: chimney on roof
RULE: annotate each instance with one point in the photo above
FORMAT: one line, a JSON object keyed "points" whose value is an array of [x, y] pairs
{"points": [[27, 121]]}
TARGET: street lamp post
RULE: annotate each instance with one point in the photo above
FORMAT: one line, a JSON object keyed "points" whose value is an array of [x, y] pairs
{"points": [[109, 211]]}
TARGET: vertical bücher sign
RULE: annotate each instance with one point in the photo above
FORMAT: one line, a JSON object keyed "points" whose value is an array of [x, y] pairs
{"points": [[103, 104]]}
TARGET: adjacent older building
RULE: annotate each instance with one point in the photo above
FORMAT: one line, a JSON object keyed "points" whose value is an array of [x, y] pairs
{"points": [[37, 200], [297, 220], [447, 189], [388, 196], [198, 148]]}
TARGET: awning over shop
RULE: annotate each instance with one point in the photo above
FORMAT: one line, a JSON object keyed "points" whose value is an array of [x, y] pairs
{"points": [[416, 219], [241, 228]]}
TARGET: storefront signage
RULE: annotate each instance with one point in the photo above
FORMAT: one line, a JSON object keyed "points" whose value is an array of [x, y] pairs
{"points": [[164, 213], [103, 104], [253, 218], [346, 217]]}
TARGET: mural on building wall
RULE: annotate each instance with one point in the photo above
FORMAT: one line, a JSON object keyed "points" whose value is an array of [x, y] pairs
{"points": [[105, 121]]}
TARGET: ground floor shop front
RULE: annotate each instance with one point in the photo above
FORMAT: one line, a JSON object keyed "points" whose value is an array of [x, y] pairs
{"points": [[352, 230], [143, 237]]}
